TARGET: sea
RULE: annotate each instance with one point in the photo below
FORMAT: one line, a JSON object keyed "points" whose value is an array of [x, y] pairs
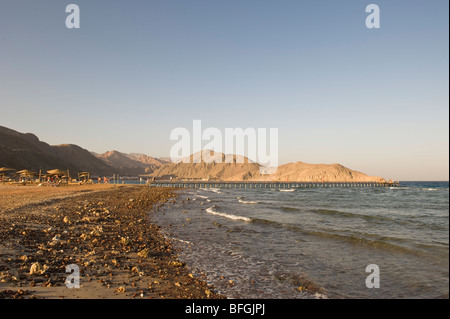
{"points": [[379, 242]]}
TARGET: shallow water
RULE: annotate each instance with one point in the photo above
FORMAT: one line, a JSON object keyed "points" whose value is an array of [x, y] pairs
{"points": [[269, 242]]}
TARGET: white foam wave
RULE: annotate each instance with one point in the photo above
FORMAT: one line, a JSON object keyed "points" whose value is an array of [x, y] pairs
{"points": [[211, 211], [201, 196], [247, 201], [183, 241], [215, 190], [177, 239], [424, 189], [287, 190]]}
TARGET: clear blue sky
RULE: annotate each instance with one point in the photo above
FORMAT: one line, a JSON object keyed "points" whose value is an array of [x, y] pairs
{"points": [[374, 100]]}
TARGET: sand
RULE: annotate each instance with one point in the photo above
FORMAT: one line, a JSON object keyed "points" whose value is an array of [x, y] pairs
{"points": [[103, 229]]}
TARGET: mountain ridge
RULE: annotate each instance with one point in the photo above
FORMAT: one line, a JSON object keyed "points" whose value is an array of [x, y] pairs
{"points": [[26, 151], [243, 168], [130, 164]]}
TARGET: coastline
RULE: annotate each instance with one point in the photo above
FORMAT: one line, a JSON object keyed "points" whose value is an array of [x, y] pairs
{"points": [[314, 243], [233, 272], [103, 229]]}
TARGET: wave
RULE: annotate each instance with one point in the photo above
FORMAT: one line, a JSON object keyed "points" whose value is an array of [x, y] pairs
{"points": [[337, 213], [211, 211], [201, 196], [290, 209], [177, 239], [246, 201], [215, 190], [409, 220], [182, 241], [379, 242], [416, 188], [287, 190]]}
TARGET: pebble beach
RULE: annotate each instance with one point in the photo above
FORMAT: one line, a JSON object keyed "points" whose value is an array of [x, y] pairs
{"points": [[104, 230]]}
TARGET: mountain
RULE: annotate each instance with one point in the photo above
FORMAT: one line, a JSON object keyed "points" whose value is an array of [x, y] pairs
{"points": [[244, 169], [145, 159], [214, 167], [306, 172], [130, 164], [26, 151], [166, 159]]}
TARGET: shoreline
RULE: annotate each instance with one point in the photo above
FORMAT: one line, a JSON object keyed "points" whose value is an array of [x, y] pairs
{"points": [[104, 230], [231, 284], [265, 244]]}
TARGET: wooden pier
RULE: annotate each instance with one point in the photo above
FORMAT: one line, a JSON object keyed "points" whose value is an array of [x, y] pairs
{"points": [[255, 184]]}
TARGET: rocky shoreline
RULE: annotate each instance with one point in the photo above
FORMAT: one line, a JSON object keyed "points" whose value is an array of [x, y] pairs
{"points": [[104, 231]]}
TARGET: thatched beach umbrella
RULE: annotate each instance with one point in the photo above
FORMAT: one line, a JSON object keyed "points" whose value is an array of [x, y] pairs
{"points": [[26, 172], [84, 176], [57, 172], [62, 173], [5, 170]]}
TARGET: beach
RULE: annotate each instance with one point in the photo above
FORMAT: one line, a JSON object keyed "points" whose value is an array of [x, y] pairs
{"points": [[104, 230], [132, 241]]}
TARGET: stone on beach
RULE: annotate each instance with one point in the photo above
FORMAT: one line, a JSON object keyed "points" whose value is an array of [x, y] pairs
{"points": [[37, 269], [113, 245]]}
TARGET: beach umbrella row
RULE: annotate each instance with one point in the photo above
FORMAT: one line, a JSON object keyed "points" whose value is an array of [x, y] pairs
{"points": [[61, 173], [26, 172], [29, 173], [4, 170]]}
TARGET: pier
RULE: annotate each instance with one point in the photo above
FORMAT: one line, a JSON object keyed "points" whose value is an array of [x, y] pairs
{"points": [[256, 184]]}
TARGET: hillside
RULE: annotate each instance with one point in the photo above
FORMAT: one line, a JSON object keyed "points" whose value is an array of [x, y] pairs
{"points": [[148, 160], [248, 170], [300, 171], [26, 151], [130, 164]]}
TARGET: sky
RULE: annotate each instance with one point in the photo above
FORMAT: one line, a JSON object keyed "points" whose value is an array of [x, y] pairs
{"points": [[374, 100]]}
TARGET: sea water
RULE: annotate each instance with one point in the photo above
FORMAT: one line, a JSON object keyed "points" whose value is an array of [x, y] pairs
{"points": [[315, 242]]}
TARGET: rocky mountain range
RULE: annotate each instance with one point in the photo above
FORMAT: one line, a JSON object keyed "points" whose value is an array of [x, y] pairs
{"points": [[25, 151], [130, 164], [244, 169]]}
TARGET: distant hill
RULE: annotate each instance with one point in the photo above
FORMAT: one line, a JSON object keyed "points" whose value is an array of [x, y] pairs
{"points": [[240, 169], [26, 151], [306, 172], [244, 169], [145, 159], [130, 164]]}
